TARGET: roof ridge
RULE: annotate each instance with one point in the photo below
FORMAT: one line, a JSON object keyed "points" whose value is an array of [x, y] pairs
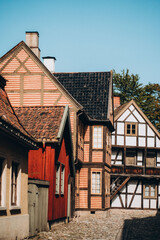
{"points": [[39, 107], [83, 72]]}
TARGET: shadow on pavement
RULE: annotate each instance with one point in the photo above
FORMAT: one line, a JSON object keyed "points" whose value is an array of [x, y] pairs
{"points": [[140, 229]]}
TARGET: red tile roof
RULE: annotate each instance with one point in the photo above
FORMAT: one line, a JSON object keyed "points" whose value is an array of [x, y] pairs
{"points": [[41, 122], [7, 113]]}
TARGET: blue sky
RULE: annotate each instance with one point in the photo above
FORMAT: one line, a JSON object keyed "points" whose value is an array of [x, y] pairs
{"points": [[89, 35]]}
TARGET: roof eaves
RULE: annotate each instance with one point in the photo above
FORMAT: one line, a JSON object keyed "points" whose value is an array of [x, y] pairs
{"points": [[13, 132], [62, 125]]}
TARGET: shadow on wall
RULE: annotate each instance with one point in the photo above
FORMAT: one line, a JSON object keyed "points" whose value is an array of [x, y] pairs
{"points": [[140, 229]]}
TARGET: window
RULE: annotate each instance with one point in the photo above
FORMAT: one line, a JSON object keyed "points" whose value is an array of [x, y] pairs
{"points": [[14, 183], [57, 178], [150, 191], [96, 182], [151, 159], [62, 179], [131, 129], [130, 157], [97, 137]]}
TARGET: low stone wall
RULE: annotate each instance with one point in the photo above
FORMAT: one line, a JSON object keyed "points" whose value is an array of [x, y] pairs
{"points": [[14, 227]]}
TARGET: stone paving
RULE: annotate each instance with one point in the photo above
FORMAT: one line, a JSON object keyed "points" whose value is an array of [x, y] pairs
{"points": [[120, 225]]}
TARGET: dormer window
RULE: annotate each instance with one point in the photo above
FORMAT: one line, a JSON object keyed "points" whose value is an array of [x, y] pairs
{"points": [[131, 129]]}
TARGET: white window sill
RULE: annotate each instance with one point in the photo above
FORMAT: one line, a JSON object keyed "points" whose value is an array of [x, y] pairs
{"points": [[15, 208], [3, 208]]}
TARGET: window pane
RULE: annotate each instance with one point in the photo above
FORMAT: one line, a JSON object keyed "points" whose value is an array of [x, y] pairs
{"points": [[153, 191], [128, 128], [133, 129], [95, 182], [147, 190]]}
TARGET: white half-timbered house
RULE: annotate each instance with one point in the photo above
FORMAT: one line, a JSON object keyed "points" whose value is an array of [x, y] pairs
{"points": [[135, 177]]}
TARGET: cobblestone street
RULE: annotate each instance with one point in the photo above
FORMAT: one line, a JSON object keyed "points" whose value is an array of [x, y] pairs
{"points": [[122, 224]]}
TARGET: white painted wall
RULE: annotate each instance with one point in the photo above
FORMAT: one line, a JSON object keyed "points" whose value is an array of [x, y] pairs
{"points": [[120, 128], [131, 141], [120, 140], [139, 117], [142, 129], [124, 115]]}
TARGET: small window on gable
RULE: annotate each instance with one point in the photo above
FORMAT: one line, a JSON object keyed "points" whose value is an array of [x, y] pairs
{"points": [[14, 183], [150, 191], [62, 179], [97, 137], [57, 178], [131, 129], [96, 182]]}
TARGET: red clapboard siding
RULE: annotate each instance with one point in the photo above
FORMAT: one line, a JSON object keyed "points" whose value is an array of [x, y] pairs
{"points": [[96, 202], [32, 82], [13, 82], [14, 99], [12, 66], [32, 66], [50, 98], [48, 84], [31, 99], [22, 55]]}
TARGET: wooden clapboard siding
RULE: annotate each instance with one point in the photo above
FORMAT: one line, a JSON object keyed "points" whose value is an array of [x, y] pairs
{"points": [[22, 55], [50, 99], [97, 156], [86, 152], [13, 82], [11, 66], [83, 199], [42, 166], [83, 183], [96, 202], [15, 98], [32, 82], [48, 85], [32, 66]]}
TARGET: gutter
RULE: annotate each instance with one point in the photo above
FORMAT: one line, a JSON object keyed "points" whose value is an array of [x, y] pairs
{"points": [[16, 135], [66, 117]]}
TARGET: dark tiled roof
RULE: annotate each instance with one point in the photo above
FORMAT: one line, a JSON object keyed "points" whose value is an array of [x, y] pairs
{"points": [[90, 89], [119, 109], [41, 122], [7, 114]]}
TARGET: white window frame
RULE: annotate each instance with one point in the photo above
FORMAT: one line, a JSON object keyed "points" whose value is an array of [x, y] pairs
{"points": [[62, 178], [3, 184], [149, 190], [57, 179], [97, 137], [96, 177], [18, 187]]}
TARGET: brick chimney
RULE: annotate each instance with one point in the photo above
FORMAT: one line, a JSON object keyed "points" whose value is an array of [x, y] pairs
{"points": [[49, 62], [116, 102], [32, 40]]}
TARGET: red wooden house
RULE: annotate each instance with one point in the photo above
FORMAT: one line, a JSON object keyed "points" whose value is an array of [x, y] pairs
{"points": [[53, 161]]}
